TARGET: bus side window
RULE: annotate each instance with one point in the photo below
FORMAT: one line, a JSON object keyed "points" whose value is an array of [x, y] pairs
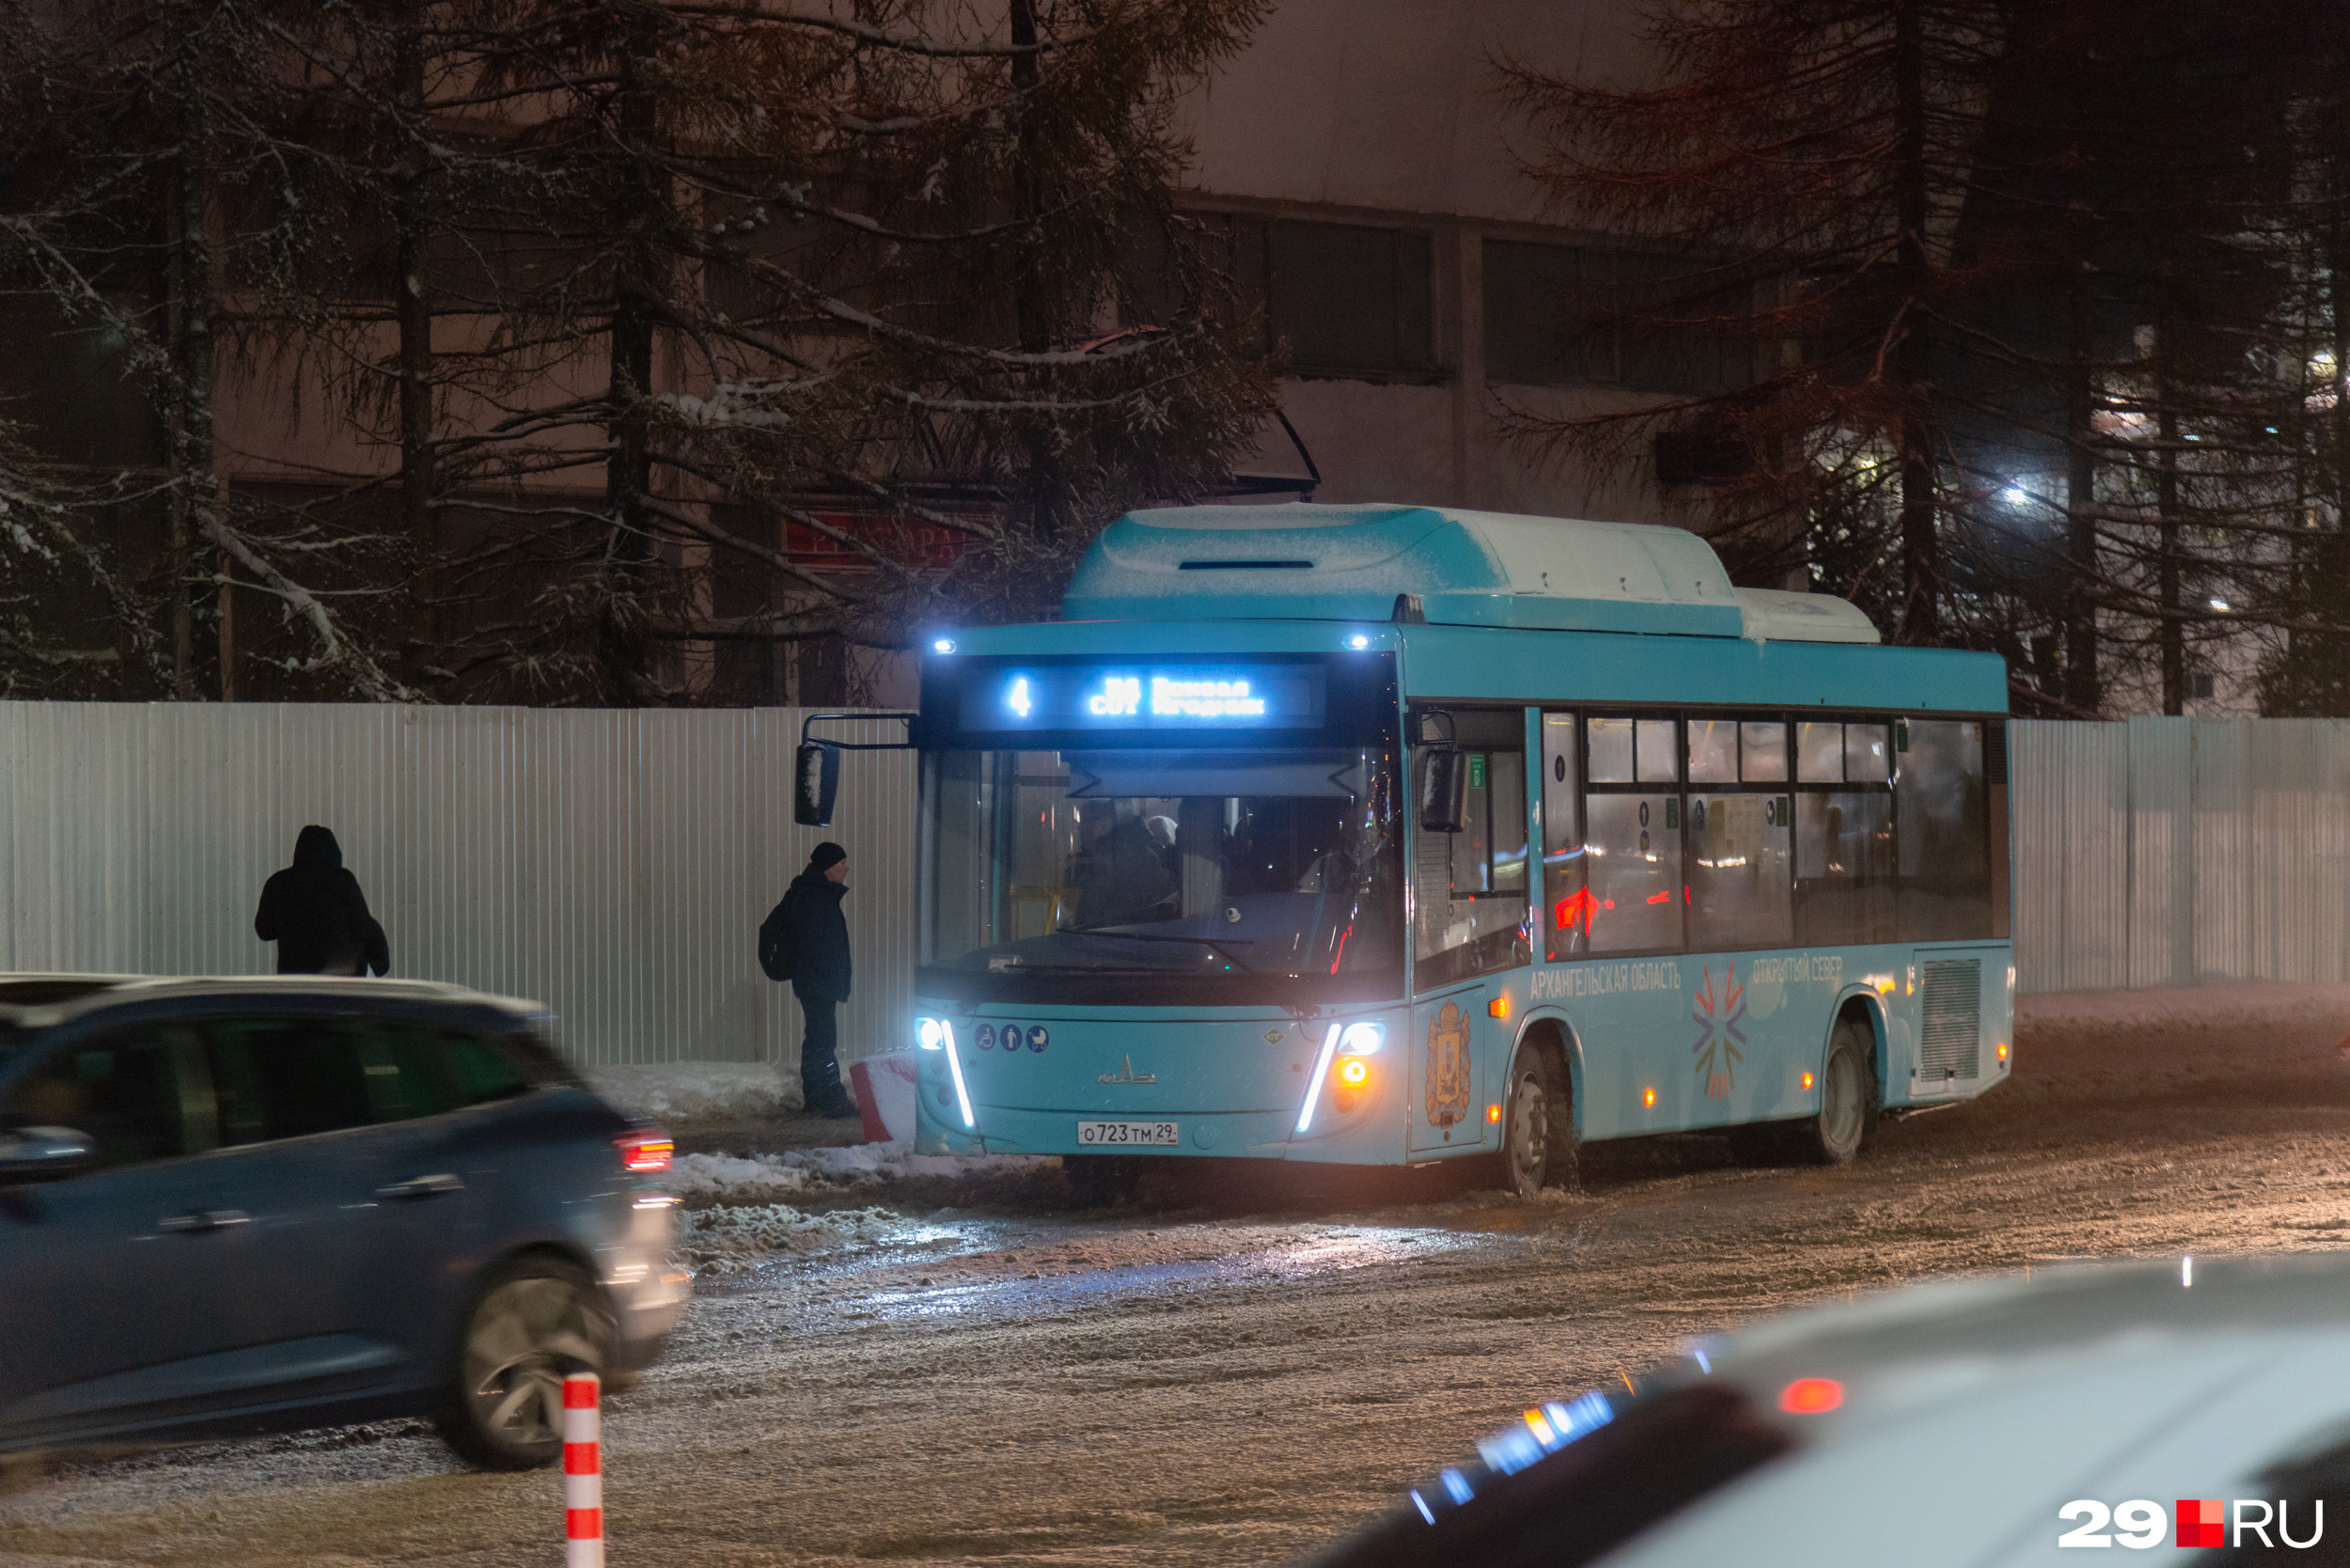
{"points": [[1632, 839], [1568, 927], [1943, 810], [1470, 888], [1844, 836], [1740, 872]]}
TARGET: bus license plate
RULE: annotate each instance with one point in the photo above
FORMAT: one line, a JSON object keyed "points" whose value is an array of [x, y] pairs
{"points": [[1159, 1134]]}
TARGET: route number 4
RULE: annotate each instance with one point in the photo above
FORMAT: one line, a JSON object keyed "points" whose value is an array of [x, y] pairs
{"points": [[2139, 1524]]}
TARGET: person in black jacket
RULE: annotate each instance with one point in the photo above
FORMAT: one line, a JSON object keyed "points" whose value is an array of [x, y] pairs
{"points": [[315, 912], [819, 973]]}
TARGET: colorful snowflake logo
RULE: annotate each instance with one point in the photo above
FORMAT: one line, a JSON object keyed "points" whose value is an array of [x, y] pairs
{"points": [[1719, 1037]]}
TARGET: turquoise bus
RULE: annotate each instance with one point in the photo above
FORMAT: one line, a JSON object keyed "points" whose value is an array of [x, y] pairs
{"points": [[1383, 835]]}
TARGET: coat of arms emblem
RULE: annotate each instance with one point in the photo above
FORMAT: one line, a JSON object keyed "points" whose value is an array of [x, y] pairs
{"points": [[1448, 1066]]}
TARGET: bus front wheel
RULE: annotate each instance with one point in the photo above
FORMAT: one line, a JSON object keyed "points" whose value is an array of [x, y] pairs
{"points": [[1538, 1137]]}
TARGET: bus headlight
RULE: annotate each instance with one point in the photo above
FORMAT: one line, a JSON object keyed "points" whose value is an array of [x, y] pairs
{"points": [[927, 1033], [1362, 1040]]}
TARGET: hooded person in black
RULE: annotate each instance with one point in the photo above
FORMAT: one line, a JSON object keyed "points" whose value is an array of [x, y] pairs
{"points": [[315, 912], [819, 973]]}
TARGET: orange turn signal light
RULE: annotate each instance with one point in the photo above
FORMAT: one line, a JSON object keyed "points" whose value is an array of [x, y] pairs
{"points": [[2002, 1050], [1811, 1396], [1493, 1113], [1498, 1008], [1807, 1080], [1648, 1097], [1354, 1071]]}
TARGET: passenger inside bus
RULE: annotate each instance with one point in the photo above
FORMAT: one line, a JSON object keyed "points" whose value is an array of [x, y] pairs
{"points": [[1124, 870]]}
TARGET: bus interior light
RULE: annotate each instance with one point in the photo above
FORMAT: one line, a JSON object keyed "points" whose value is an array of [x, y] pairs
{"points": [[1313, 1080], [954, 1068]]}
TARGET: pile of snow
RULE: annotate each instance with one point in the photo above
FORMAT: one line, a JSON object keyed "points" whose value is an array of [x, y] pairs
{"points": [[683, 1091], [728, 1240], [795, 1169]]}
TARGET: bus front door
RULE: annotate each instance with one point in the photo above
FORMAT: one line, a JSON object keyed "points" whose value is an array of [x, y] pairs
{"points": [[1447, 1047]]}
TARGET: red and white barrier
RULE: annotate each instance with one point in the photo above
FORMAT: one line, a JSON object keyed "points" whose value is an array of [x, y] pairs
{"points": [[582, 1471], [886, 1087]]}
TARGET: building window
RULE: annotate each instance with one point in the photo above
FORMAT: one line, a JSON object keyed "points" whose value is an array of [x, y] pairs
{"points": [[1346, 299], [1350, 298], [1555, 315]]}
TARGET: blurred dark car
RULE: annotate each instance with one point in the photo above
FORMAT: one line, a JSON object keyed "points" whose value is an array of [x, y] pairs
{"points": [[244, 1205], [2187, 1411]]}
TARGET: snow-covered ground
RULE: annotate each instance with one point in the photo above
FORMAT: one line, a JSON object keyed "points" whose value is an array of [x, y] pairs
{"points": [[680, 1092], [730, 1238], [1243, 1382], [739, 1177], [2261, 1005]]}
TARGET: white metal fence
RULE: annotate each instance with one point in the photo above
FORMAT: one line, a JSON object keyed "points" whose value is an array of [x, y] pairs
{"points": [[2173, 852], [615, 865]]}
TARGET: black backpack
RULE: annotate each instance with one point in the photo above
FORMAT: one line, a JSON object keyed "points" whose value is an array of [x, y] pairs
{"points": [[774, 941]]}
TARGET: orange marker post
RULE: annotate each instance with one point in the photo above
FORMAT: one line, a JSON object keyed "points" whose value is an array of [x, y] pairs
{"points": [[582, 1471]]}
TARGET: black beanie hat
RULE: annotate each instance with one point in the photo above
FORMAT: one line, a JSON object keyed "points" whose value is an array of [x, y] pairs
{"points": [[827, 856]]}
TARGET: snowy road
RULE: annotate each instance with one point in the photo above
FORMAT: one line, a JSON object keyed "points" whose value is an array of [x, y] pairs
{"points": [[1013, 1381]]}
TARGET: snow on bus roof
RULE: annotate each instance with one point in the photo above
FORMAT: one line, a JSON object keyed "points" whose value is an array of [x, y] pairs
{"points": [[1303, 561]]}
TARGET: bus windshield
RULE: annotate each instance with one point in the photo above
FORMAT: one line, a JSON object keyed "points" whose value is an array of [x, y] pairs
{"points": [[1051, 871]]}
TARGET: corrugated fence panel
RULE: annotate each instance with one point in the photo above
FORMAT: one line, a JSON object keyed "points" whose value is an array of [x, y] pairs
{"points": [[614, 865], [2071, 854], [2224, 845], [2161, 848]]}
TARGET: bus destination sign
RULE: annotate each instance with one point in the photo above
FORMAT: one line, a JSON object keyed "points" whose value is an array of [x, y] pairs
{"points": [[1147, 696]]}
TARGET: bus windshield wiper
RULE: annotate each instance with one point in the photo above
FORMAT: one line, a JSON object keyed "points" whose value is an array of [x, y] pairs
{"points": [[1214, 944]]}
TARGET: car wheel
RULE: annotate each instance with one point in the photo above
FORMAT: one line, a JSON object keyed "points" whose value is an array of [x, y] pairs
{"points": [[536, 1320], [1848, 1099], [1538, 1130]]}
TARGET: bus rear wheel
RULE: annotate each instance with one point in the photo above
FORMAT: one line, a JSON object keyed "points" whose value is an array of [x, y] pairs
{"points": [[1848, 1099], [1538, 1129]]}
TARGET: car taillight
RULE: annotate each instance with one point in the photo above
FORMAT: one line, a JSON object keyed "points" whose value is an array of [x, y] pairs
{"points": [[646, 1153]]}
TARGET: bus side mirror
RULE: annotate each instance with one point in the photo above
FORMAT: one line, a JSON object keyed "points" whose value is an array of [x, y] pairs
{"points": [[1443, 790], [816, 780]]}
